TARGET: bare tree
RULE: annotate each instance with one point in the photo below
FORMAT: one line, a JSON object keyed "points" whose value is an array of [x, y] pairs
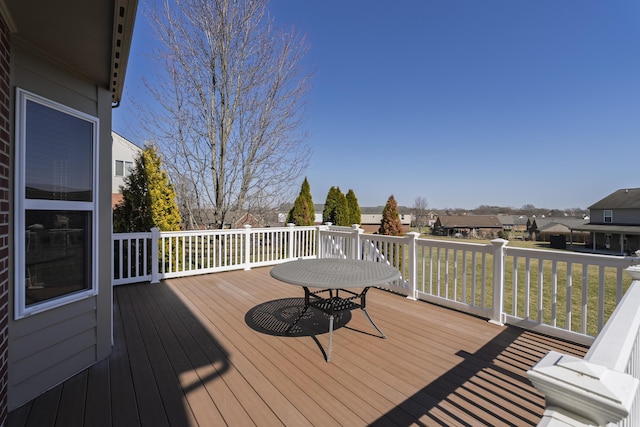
{"points": [[230, 92], [420, 212]]}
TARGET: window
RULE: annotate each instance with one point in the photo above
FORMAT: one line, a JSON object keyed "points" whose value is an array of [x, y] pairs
{"points": [[123, 168], [56, 213], [608, 216]]}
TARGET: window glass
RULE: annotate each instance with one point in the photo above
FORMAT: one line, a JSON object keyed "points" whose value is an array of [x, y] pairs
{"points": [[58, 156], [55, 204], [128, 167], [57, 246], [119, 168], [608, 216]]}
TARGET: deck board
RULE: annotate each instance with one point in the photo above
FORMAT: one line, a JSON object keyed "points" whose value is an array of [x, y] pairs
{"points": [[210, 350]]}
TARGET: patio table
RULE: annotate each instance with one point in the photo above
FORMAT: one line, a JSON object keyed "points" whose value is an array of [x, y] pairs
{"points": [[334, 276]]}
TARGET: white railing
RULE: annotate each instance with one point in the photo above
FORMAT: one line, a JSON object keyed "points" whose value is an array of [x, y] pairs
{"points": [[602, 388], [156, 255], [564, 294]]}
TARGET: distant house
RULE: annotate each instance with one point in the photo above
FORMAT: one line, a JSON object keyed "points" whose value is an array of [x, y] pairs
{"points": [[247, 219], [283, 213], [473, 226], [371, 217], [541, 229], [124, 153], [614, 223], [513, 224]]}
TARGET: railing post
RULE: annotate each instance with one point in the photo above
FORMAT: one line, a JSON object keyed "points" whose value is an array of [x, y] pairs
{"points": [[247, 247], [291, 240], [155, 263], [320, 243], [356, 251], [580, 393], [413, 265], [498, 281]]}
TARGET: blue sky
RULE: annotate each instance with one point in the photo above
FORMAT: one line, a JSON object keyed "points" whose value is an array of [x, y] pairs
{"points": [[463, 102]]}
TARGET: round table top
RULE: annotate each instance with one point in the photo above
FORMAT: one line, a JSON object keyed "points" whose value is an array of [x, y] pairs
{"points": [[331, 273]]}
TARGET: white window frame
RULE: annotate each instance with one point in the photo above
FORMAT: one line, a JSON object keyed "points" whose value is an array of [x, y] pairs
{"points": [[607, 215], [22, 204], [126, 171]]}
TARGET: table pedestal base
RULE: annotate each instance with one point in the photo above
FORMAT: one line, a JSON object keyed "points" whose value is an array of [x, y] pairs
{"points": [[333, 305]]}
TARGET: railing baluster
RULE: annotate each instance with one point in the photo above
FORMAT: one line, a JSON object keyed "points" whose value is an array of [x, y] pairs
{"points": [[451, 273], [554, 293], [569, 297]]}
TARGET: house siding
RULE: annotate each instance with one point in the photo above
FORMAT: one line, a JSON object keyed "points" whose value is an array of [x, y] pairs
{"points": [[49, 347], [620, 216], [122, 150], [5, 156]]}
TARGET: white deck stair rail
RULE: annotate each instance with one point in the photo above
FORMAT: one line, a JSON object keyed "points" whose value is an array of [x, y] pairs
{"points": [[602, 388]]}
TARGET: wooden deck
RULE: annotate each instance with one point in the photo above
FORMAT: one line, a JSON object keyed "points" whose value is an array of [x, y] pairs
{"points": [[211, 350]]}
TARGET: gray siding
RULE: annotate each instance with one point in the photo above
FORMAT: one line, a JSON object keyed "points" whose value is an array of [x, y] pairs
{"points": [[620, 216], [49, 347]]}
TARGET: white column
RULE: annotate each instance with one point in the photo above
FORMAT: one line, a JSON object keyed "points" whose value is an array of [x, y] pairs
{"points": [[155, 263], [413, 265], [247, 247], [498, 281]]}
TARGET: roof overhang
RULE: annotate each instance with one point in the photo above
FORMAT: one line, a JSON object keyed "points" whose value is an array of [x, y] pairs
{"points": [[92, 38], [601, 228]]}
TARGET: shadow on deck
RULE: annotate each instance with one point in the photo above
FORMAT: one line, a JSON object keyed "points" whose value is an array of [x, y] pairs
{"points": [[211, 350]]}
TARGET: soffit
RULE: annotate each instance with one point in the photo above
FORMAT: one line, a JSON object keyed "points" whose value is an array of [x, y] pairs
{"points": [[79, 34]]}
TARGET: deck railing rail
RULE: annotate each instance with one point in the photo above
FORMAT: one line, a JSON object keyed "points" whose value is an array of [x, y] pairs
{"points": [[602, 388], [569, 295]]}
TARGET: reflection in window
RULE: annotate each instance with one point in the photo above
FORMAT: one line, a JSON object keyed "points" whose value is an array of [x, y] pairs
{"points": [[57, 247], [59, 155], [123, 168], [55, 195]]}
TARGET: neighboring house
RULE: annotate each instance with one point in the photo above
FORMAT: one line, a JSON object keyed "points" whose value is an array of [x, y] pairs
{"points": [[62, 66], [283, 213], [473, 226], [541, 229], [124, 154], [513, 223], [371, 218], [614, 223], [424, 219]]}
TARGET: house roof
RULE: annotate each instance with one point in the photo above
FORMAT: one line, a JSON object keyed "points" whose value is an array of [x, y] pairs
{"points": [[465, 221], [626, 198], [568, 221], [92, 38], [602, 228], [512, 219], [554, 227]]}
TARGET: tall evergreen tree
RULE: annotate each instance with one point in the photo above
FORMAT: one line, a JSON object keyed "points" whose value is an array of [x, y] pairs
{"points": [[328, 214], [341, 214], [335, 208], [302, 212], [149, 199], [390, 225], [353, 208]]}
